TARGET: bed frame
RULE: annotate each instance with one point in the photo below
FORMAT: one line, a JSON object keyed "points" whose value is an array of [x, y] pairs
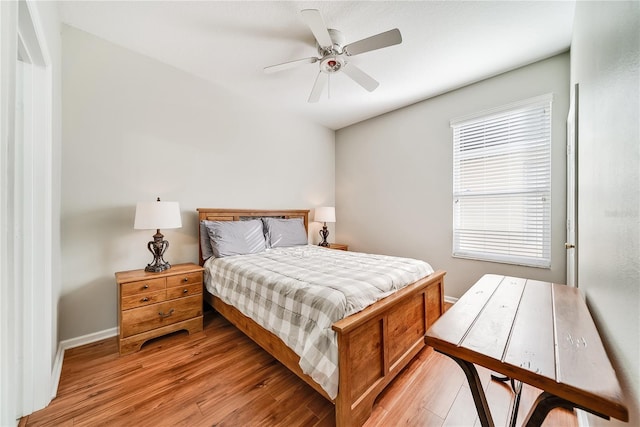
{"points": [[374, 345]]}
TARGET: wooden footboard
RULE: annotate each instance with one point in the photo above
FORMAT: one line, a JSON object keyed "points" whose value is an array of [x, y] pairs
{"points": [[377, 343], [373, 345]]}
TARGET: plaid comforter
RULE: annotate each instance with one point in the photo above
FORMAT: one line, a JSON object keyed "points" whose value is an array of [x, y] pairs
{"points": [[297, 293]]}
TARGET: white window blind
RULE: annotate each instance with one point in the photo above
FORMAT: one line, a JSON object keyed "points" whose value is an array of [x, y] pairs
{"points": [[502, 184]]}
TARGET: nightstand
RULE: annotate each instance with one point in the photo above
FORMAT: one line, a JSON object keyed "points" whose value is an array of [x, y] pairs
{"points": [[154, 304], [339, 246]]}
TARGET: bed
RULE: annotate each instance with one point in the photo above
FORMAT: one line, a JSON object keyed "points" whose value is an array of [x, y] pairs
{"points": [[373, 345]]}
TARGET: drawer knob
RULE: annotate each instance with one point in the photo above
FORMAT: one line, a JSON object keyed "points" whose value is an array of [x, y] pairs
{"points": [[145, 299], [145, 286], [186, 279], [167, 314], [184, 291]]}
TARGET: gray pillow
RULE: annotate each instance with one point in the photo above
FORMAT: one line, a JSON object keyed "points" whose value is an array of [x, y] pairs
{"points": [[205, 242], [235, 237], [285, 232]]}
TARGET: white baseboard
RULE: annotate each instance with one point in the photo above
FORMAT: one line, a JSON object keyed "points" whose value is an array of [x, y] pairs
{"points": [[57, 370], [71, 343], [450, 300]]}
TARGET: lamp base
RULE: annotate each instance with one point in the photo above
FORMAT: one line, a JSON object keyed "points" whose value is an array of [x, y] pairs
{"points": [[324, 233], [157, 247], [157, 268]]}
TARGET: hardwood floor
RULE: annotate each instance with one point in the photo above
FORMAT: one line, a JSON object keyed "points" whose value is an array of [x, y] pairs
{"points": [[219, 377]]}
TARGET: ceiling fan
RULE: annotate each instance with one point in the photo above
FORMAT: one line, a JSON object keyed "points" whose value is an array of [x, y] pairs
{"points": [[334, 53]]}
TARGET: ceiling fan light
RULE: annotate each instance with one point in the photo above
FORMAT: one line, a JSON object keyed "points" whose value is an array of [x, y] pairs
{"points": [[331, 64]]}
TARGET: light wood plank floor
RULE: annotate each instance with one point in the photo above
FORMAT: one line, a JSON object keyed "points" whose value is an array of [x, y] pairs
{"points": [[221, 378]]}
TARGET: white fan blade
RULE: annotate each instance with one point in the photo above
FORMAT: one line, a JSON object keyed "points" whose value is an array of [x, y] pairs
{"points": [[318, 86], [317, 26], [388, 38], [360, 77], [290, 64]]}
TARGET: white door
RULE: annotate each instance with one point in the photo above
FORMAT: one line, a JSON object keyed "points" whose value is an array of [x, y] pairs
{"points": [[26, 334], [571, 244]]}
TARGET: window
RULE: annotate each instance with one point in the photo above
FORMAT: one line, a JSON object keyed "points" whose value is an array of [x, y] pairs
{"points": [[502, 184]]}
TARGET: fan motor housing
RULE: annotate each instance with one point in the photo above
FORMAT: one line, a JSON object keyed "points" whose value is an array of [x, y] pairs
{"points": [[332, 61], [338, 42]]}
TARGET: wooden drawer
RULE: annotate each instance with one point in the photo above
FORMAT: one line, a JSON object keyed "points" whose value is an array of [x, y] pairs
{"points": [[183, 291], [154, 304], [142, 286], [144, 319], [140, 300], [184, 279]]}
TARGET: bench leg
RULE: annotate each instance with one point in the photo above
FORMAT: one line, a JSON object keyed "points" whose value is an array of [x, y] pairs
{"points": [[545, 403], [476, 390], [517, 389], [516, 386]]}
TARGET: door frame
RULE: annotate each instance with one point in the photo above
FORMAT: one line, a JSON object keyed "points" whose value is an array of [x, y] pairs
{"points": [[571, 244]]}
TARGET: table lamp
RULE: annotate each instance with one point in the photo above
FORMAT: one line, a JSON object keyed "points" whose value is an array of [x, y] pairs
{"points": [[154, 216], [325, 215]]}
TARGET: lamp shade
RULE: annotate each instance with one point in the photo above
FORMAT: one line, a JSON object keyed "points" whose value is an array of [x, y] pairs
{"points": [[325, 214], [157, 215]]}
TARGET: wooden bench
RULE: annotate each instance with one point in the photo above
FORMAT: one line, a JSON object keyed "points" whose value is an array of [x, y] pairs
{"points": [[536, 332]]}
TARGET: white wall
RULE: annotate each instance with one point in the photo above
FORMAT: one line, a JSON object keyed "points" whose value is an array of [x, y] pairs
{"points": [[135, 129], [605, 57], [394, 175]]}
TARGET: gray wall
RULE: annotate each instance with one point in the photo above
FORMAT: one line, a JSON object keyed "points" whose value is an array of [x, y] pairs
{"points": [[133, 129], [394, 175], [605, 57]]}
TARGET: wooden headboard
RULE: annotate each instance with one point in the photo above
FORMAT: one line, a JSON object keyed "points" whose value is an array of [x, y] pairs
{"points": [[213, 214]]}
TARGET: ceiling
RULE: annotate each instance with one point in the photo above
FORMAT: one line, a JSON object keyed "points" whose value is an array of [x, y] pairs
{"points": [[446, 45]]}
